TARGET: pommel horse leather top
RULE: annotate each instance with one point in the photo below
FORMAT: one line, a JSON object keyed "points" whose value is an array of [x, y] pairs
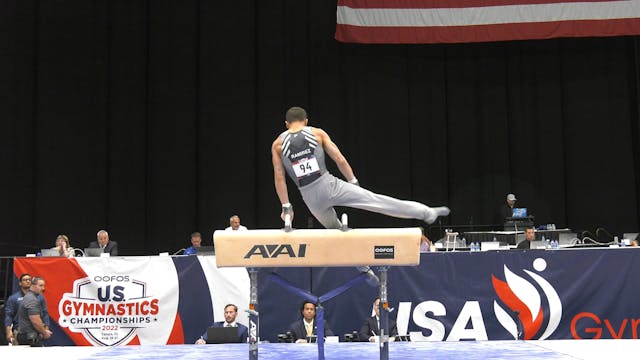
{"points": [[315, 247]]}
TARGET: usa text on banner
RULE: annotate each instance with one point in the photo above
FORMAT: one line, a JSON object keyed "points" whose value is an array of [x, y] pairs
{"points": [[461, 21]]}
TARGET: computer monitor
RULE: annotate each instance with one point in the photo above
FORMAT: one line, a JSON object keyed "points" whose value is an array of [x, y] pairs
{"points": [[519, 213], [93, 252], [205, 250], [49, 252], [222, 335]]}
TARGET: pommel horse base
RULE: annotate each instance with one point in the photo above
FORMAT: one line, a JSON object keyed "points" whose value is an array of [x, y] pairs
{"points": [[318, 248]]}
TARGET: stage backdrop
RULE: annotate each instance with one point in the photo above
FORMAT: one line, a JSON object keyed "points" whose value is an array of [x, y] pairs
{"points": [[154, 119], [576, 294]]}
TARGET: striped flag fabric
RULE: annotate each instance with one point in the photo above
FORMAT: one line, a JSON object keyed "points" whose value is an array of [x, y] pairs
{"points": [[464, 21]]}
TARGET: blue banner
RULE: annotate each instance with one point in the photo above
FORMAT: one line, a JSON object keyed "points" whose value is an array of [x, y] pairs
{"points": [[454, 296], [562, 294]]}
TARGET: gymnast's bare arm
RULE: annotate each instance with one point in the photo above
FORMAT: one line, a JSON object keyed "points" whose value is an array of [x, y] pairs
{"points": [[279, 174], [334, 153]]}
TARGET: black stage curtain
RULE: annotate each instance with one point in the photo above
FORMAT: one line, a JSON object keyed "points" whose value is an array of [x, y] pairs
{"points": [[153, 119]]}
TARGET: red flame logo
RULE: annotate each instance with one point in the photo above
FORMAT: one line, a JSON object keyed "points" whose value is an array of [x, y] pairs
{"points": [[530, 325]]}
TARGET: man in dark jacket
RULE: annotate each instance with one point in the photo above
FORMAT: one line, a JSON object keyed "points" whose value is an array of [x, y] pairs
{"points": [[370, 330]]}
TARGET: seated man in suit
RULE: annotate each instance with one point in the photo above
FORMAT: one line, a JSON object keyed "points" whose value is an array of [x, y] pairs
{"points": [[230, 313], [105, 244], [371, 328], [307, 326]]}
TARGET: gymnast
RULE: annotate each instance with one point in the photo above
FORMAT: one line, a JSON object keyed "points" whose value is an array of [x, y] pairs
{"points": [[300, 151]]}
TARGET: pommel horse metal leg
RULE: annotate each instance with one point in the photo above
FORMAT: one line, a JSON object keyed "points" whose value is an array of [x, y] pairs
{"points": [[254, 318], [383, 339]]}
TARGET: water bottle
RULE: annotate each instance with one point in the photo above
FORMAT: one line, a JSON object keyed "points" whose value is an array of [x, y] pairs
{"points": [[494, 239], [615, 240], [623, 243], [474, 247], [464, 242]]}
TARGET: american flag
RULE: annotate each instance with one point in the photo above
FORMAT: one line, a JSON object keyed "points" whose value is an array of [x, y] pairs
{"points": [[462, 21]]}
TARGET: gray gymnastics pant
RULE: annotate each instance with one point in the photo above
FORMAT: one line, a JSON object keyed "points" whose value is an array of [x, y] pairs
{"points": [[328, 191]]}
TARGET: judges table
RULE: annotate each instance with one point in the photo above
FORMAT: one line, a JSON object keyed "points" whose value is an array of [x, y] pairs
{"points": [[542, 294], [514, 237]]}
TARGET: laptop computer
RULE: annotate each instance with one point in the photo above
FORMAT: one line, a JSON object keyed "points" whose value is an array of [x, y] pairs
{"points": [[629, 236], [222, 335], [565, 239], [205, 250], [519, 213], [93, 252], [489, 245], [538, 244], [49, 252]]}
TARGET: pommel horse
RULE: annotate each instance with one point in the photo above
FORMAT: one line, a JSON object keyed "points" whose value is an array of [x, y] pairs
{"points": [[318, 248]]}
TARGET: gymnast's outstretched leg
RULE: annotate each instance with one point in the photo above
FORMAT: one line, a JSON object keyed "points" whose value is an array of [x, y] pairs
{"points": [[329, 191]]}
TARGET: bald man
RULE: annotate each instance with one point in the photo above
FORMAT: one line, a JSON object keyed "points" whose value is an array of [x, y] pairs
{"points": [[104, 243]]}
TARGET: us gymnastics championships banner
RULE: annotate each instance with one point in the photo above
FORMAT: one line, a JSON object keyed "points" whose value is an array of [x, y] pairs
{"points": [[136, 300]]}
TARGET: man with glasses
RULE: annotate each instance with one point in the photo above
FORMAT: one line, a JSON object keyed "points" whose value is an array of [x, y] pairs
{"points": [[11, 310], [103, 242], [370, 330]]}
